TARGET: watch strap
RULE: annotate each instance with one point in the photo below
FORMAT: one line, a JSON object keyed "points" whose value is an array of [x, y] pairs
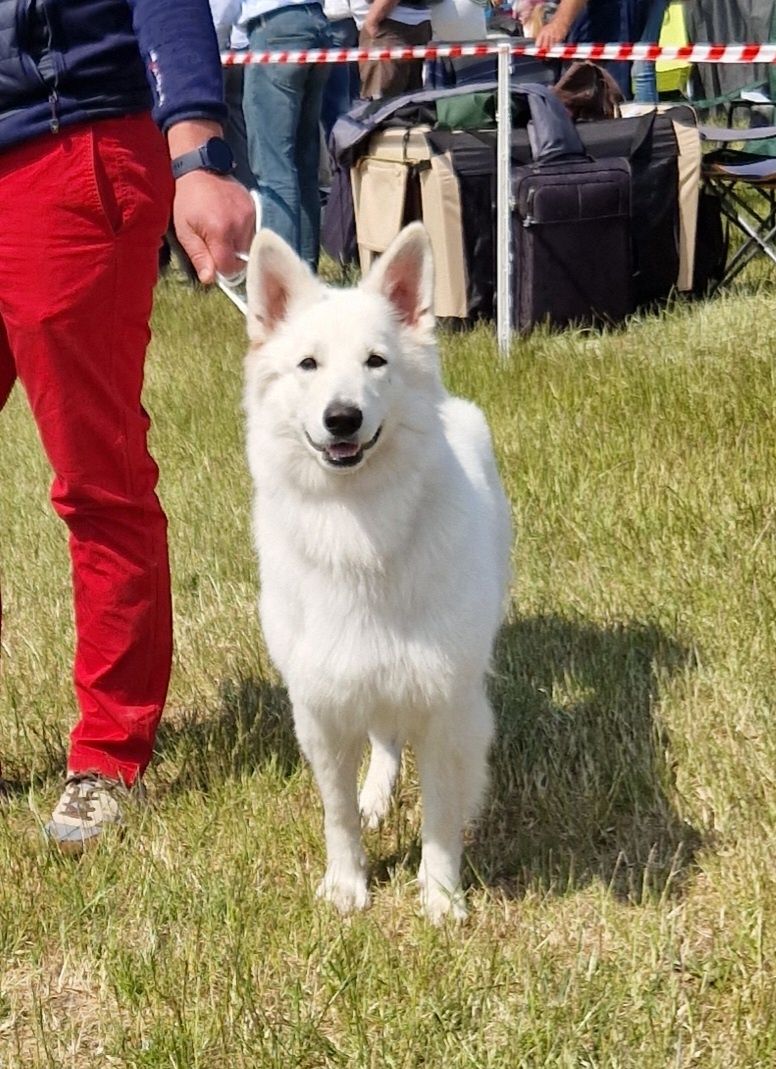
{"points": [[188, 161], [214, 155]]}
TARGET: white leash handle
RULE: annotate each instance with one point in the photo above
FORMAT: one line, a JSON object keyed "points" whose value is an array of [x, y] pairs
{"points": [[230, 285]]}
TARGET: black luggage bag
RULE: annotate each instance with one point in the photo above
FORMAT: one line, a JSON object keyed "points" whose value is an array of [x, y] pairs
{"points": [[571, 227], [647, 143], [572, 242]]}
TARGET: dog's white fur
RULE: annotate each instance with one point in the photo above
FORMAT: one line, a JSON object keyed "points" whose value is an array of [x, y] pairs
{"points": [[382, 582]]}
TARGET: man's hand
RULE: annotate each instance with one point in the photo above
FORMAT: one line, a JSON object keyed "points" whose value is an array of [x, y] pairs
{"points": [[370, 26], [558, 28], [378, 10], [214, 219], [214, 216], [552, 33]]}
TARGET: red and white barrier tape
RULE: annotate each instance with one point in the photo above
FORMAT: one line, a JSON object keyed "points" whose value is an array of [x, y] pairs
{"points": [[697, 53]]}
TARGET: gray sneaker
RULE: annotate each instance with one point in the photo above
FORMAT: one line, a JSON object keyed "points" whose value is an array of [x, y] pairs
{"points": [[89, 804]]}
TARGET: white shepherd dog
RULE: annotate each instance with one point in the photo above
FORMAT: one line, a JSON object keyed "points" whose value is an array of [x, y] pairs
{"points": [[383, 537]]}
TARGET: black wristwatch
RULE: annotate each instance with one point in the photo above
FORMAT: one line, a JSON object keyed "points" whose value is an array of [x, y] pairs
{"points": [[214, 156]]}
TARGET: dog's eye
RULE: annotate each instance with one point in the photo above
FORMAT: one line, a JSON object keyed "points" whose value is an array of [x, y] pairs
{"points": [[375, 360], [308, 364]]}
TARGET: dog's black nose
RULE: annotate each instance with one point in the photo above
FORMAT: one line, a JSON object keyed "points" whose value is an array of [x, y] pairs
{"points": [[341, 419]]}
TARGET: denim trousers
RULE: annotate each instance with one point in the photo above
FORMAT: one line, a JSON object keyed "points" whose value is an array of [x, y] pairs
{"points": [[343, 82], [644, 77], [282, 106]]}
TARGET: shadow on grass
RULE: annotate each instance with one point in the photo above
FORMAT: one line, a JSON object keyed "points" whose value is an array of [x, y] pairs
{"points": [[251, 729], [582, 781], [12, 788]]}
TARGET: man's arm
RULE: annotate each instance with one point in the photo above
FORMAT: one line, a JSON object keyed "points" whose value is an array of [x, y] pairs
{"points": [[214, 215], [378, 11], [557, 29]]}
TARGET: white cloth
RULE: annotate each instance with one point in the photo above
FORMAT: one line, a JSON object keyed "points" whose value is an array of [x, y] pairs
{"points": [[238, 39], [410, 16], [225, 14], [458, 20], [346, 9], [252, 8]]}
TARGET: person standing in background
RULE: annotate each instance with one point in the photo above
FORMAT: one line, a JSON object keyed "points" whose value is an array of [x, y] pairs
{"points": [[282, 107], [232, 38], [647, 18], [394, 24], [589, 22], [343, 84], [87, 182]]}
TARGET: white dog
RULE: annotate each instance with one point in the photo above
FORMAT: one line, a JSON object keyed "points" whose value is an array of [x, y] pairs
{"points": [[383, 537]]}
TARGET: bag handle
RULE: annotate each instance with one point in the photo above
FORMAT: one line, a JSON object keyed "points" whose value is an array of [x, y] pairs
{"points": [[554, 133], [551, 133]]}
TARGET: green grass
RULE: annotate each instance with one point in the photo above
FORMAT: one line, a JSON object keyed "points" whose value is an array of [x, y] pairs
{"points": [[622, 878]]}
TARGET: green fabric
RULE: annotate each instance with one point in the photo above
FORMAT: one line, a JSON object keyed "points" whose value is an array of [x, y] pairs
{"points": [[470, 111], [767, 147]]}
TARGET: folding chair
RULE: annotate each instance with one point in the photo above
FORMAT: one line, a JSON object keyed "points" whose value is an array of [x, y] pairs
{"points": [[745, 182]]}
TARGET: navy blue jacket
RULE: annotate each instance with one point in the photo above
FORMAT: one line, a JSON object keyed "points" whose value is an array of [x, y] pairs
{"points": [[69, 61]]}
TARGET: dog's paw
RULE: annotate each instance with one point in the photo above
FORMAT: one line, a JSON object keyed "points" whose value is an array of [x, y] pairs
{"points": [[442, 903], [373, 804], [344, 889]]}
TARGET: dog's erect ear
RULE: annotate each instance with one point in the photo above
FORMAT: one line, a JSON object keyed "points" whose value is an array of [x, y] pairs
{"points": [[404, 274], [277, 280]]}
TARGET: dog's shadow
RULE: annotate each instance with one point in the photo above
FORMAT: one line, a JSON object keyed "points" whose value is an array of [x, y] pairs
{"points": [[582, 783], [582, 777]]}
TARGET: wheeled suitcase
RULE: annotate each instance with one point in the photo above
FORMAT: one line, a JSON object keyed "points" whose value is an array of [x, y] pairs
{"points": [[571, 227], [572, 242]]}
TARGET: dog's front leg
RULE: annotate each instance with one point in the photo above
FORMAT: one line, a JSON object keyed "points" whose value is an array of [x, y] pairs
{"points": [[452, 759], [335, 759], [375, 796]]}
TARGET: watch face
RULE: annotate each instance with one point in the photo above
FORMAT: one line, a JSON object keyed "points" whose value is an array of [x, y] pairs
{"points": [[219, 156]]}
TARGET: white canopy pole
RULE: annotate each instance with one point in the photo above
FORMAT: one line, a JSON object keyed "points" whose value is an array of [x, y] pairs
{"points": [[503, 202]]}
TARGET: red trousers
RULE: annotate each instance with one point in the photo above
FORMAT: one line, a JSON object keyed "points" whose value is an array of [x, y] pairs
{"points": [[81, 218]]}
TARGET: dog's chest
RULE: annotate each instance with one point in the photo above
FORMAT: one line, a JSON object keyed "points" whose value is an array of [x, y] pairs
{"points": [[362, 637]]}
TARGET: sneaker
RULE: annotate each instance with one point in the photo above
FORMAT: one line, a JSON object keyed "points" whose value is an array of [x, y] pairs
{"points": [[89, 804]]}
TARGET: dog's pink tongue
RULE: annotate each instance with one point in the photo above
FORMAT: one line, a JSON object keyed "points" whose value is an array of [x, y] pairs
{"points": [[339, 450]]}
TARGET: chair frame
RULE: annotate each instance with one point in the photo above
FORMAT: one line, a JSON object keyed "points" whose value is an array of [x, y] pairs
{"points": [[756, 221]]}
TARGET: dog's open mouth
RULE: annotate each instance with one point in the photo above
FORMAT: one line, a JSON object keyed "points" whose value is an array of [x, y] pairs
{"points": [[343, 452]]}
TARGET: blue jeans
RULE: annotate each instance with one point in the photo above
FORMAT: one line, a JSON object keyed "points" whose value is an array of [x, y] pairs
{"points": [[234, 127], [644, 77], [282, 106], [343, 82]]}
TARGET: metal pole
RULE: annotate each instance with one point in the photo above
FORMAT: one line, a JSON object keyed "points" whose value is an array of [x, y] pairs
{"points": [[503, 202]]}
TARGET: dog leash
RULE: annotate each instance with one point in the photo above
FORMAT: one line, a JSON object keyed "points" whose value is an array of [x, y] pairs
{"points": [[230, 286]]}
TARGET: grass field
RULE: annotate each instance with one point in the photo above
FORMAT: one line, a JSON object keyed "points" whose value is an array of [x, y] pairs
{"points": [[622, 880]]}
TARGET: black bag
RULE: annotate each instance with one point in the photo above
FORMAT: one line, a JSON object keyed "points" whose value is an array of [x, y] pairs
{"points": [[711, 244], [572, 256], [571, 228], [648, 143], [338, 224], [445, 72]]}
